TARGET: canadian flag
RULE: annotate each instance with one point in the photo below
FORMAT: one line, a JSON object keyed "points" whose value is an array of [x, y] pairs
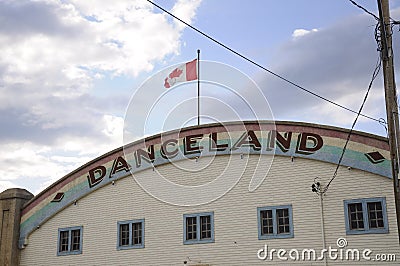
{"points": [[184, 72]]}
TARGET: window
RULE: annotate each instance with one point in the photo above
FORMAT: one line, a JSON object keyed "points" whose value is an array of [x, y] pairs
{"points": [[70, 241], [198, 228], [275, 222], [366, 216], [131, 234]]}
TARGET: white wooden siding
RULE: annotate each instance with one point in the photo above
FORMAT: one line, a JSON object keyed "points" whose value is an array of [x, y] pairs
{"points": [[235, 218]]}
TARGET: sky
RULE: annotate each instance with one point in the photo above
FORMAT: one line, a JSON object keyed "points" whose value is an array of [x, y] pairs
{"points": [[69, 70]]}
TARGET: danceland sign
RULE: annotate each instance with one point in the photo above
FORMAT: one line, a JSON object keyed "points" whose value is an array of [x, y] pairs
{"points": [[214, 143]]}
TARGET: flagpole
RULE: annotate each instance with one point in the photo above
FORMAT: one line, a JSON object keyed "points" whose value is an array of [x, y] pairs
{"points": [[198, 87]]}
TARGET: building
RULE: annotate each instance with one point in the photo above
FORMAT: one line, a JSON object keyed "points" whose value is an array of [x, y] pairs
{"points": [[233, 202]]}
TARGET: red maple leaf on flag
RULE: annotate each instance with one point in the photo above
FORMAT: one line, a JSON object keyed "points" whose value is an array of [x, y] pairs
{"points": [[174, 74]]}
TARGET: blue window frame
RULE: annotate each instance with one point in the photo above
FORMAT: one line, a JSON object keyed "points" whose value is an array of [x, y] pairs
{"points": [[275, 222], [69, 241], [198, 228], [366, 216], [130, 234]]}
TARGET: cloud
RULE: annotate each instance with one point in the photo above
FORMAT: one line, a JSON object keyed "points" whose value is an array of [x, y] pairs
{"points": [[335, 62], [74, 39], [7, 184], [51, 55], [185, 10], [301, 32], [34, 165]]}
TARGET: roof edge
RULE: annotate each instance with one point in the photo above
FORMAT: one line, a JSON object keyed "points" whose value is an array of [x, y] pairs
{"points": [[210, 125]]}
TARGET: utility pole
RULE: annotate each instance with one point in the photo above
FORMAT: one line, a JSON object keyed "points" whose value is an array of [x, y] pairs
{"points": [[391, 99]]}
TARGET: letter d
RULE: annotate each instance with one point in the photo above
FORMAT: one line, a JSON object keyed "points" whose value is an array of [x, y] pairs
{"points": [[265, 250]]}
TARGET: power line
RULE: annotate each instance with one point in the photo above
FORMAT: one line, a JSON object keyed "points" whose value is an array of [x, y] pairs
{"points": [[395, 22], [258, 65], [316, 186], [374, 75], [364, 9]]}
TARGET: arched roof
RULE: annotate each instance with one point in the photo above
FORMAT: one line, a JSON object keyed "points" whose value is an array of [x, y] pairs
{"points": [[365, 151]]}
